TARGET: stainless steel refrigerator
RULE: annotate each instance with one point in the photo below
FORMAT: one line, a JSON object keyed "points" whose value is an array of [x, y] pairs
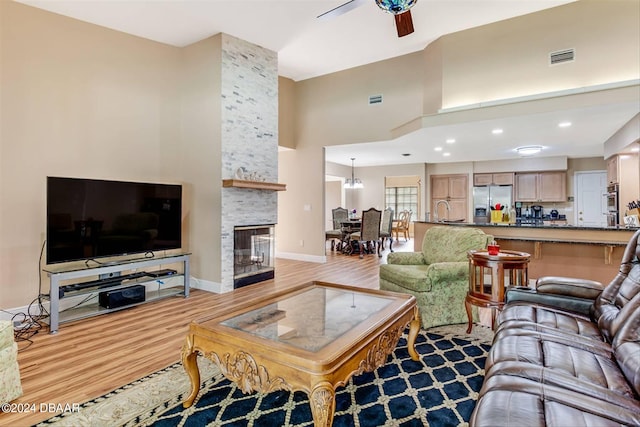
{"points": [[486, 197]]}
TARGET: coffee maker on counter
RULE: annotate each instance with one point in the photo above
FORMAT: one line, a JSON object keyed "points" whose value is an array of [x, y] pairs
{"points": [[536, 212]]}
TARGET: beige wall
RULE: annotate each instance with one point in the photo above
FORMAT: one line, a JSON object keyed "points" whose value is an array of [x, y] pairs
{"points": [[623, 138], [334, 109], [432, 83], [200, 149], [286, 112], [80, 100], [77, 100], [510, 58]]}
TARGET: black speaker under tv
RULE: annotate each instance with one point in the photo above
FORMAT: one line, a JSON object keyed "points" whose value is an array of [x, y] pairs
{"points": [[90, 218]]}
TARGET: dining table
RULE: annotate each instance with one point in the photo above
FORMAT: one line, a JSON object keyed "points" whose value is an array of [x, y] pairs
{"points": [[347, 245], [350, 226]]}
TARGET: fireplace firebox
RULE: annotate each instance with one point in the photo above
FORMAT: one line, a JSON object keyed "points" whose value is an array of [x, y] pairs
{"points": [[254, 254]]}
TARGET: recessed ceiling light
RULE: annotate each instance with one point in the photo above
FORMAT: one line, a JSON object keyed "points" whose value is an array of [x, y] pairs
{"points": [[446, 154], [529, 150], [564, 124], [438, 149], [496, 131], [450, 141], [635, 149]]}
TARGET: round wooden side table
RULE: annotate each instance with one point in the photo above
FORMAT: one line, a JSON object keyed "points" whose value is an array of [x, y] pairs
{"points": [[490, 294]]}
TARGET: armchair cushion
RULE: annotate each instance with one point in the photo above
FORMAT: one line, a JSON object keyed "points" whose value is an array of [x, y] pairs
{"points": [[422, 277], [406, 258], [412, 277]]}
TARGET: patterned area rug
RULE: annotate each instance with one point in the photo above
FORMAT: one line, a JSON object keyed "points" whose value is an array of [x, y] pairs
{"points": [[439, 390]]}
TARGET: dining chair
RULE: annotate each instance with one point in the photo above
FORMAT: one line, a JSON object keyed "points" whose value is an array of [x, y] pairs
{"points": [[386, 226], [339, 215], [402, 224], [369, 231]]}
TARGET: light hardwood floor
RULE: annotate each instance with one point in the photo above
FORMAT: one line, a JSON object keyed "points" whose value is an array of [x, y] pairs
{"points": [[89, 358]]}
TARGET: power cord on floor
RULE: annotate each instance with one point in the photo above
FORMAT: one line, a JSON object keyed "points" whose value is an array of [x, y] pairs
{"points": [[26, 325]]}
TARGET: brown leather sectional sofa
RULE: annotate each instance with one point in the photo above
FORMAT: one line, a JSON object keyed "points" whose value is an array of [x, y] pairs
{"points": [[567, 354]]}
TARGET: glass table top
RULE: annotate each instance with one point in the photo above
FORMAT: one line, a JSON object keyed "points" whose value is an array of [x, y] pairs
{"points": [[311, 319]]}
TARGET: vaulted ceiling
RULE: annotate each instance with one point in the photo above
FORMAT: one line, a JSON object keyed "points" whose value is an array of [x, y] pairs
{"points": [[309, 47]]}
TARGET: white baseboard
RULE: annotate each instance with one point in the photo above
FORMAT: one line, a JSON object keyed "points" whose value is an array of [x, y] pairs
{"points": [[302, 257], [205, 285], [8, 313]]}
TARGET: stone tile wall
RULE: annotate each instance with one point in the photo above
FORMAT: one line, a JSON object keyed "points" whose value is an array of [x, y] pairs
{"points": [[249, 139]]}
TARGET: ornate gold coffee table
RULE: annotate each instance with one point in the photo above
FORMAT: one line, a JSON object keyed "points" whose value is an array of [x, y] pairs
{"points": [[312, 337]]}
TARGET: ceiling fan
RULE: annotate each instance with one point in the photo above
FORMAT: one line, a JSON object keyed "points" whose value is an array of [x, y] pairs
{"points": [[400, 9]]}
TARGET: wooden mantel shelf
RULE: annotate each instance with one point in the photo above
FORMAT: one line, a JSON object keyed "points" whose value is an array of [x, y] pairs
{"points": [[258, 185]]}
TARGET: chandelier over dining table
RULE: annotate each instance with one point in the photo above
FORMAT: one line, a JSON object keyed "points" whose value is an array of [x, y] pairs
{"points": [[353, 182]]}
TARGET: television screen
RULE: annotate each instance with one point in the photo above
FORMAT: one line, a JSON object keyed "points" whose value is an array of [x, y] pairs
{"points": [[88, 218]]}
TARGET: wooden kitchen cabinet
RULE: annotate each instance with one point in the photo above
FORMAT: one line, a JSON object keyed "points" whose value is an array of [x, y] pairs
{"points": [[553, 187], [541, 187], [612, 170], [628, 166], [455, 190], [526, 187], [481, 179]]}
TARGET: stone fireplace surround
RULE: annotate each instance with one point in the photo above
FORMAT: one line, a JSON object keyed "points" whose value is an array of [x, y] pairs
{"points": [[249, 118]]}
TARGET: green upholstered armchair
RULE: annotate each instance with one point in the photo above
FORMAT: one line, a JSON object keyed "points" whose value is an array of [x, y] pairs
{"points": [[438, 276]]}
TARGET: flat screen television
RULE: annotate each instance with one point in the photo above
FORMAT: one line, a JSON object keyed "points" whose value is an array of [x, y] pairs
{"points": [[90, 218]]}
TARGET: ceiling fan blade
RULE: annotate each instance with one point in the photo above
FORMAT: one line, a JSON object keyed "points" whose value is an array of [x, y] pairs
{"points": [[342, 9], [404, 23]]}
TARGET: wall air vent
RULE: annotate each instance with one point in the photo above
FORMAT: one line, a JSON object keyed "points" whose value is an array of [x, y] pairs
{"points": [[562, 56], [375, 99]]}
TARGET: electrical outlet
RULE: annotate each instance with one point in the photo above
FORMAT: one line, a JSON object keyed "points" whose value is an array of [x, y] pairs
{"points": [[301, 242]]}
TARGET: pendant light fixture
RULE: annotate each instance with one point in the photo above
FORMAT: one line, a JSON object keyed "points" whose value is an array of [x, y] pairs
{"points": [[353, 182]]}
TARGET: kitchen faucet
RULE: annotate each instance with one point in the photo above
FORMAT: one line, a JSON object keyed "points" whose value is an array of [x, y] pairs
{"points": [[446, 204]]}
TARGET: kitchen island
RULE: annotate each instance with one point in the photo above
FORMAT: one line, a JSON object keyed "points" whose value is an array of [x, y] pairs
{"points": [[556, 250]]}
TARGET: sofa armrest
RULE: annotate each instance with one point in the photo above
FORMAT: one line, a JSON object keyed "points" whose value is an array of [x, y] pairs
{"points": [[442, 274], [406, 258], [531, 296], [570, 287], [567, 293]]}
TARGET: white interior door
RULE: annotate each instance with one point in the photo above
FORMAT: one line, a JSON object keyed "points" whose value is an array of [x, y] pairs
{"points": [[591, 199]]}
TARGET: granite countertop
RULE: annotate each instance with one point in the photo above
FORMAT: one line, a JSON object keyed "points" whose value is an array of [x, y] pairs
{"points": [[554, 226]]}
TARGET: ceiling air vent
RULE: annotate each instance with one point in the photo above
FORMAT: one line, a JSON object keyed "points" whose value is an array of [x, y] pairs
{"points": [[562, 56], [375, 99]]}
